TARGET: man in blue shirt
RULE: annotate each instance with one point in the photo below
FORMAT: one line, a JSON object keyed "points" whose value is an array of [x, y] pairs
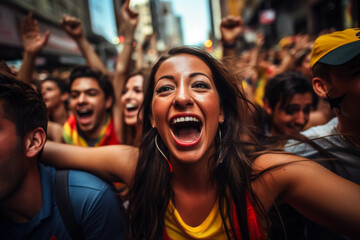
{"points": [[28, 209]]}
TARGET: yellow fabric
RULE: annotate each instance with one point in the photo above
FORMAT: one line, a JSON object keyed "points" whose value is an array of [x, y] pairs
{"points": [[210, 228], [244, 85], [77, 140], [329, 42], [260, 90]]}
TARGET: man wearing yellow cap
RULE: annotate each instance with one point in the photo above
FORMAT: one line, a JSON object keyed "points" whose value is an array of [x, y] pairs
{"points": [[335, 63]]}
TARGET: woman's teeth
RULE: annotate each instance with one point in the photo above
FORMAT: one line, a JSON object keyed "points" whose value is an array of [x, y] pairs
{"points": [[186, 129], [131, 107], [185, 119]]}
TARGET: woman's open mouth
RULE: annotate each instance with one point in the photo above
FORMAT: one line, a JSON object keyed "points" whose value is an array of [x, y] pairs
{"points": [[186, 130], [131, 107]]}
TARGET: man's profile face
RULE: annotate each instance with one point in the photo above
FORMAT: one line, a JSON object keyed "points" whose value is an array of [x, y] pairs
{"points": [[88, 103], [345, 79], [13, 164]]}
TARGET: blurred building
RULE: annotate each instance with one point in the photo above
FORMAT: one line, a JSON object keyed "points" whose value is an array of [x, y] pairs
{"points": [[145, 35], [279, 18], [167, 25], [158, 29], [61, 50]]}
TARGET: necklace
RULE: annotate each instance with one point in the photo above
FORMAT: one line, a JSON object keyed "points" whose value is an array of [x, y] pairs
{"points": [[347, 139]]}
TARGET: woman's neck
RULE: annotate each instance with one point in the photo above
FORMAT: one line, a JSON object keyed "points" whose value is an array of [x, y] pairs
{"points": [[191, 176], [196, 175], [59, 114], [194, 193]]}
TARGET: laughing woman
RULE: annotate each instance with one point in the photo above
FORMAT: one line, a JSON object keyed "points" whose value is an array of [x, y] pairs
{"points": [[195, 178], [131, 100]]}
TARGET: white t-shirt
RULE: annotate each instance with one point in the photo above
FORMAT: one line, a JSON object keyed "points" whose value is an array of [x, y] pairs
{"points": [[326, 136]]}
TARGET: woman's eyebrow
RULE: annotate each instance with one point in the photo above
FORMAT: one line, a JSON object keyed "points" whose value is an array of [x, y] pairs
{"points": [[191, 76], [198, 73], [165, 76]]}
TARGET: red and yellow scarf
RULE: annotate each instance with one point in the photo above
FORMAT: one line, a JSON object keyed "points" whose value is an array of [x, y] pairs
{"points": [[107, 135]]}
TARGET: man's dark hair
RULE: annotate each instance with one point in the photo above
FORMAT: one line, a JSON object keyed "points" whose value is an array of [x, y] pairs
{"points": [[22, 104], [322, 70], [284, 86], [101, 78]]}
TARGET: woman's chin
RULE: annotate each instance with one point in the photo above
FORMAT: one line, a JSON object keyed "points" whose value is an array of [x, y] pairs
{"points": [[130, 121], [189, 156]]}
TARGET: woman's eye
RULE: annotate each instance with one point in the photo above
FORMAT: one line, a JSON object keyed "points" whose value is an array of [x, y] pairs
{"points": [[164, 89], [201, 85], [138, 90]]}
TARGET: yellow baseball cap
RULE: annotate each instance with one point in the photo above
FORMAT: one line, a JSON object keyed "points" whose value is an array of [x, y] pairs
{"points": [[336, 48]]}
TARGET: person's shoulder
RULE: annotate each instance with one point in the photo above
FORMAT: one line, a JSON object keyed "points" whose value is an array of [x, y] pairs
{"points": [[85, 180], [317, 134], [272, 159], [85, 189], [321, 130], [96, 206]]}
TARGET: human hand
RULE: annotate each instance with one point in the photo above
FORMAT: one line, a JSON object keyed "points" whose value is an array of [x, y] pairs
{"points": [[260, 39], [72, 26], [127, 19], [30, 33], [231, 27]]}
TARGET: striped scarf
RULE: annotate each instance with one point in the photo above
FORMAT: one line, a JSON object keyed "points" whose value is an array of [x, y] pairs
{"points": [[107, 135]]}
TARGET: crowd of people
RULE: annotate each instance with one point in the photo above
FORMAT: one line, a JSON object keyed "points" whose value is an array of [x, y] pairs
{"points": [[260, 144]]}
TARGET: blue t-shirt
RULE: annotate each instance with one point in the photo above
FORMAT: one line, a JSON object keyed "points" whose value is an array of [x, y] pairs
{"points": [[95, 205]]}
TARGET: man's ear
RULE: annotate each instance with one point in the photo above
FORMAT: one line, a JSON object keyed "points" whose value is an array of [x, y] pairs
{"points": [[108, 102], [34, 142], [267, 107], [320, 87]]}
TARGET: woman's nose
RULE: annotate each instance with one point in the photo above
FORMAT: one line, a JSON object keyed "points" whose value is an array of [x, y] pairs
{"points": [[183, 97]]}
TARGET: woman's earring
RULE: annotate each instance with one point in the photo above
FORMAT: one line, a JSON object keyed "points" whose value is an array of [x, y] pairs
{"points": [[157, 146], [220, 158]]}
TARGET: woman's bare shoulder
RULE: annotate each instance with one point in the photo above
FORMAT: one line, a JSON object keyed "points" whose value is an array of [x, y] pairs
{"points": [[278, 173], [276, 159]]}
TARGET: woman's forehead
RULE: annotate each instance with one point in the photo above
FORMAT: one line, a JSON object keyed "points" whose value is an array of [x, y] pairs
{"points": [[182, 63], [49, 82], [135, 80]]}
